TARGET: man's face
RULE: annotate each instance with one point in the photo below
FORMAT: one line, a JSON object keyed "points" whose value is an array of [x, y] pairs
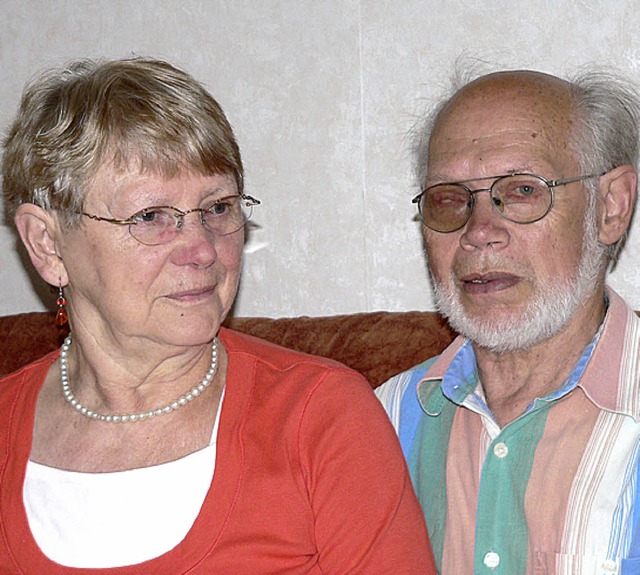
{"points": [[506, 285]]}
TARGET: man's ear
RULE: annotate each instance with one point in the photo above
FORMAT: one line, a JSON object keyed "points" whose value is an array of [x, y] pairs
{"points": [[40, 233], [617, 191]]}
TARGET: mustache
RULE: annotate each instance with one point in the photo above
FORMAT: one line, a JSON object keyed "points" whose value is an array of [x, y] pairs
{"points": [[487, 263]]}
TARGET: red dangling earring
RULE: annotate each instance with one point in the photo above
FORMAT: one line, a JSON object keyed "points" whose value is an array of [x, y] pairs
{"points": [[61, 316]]}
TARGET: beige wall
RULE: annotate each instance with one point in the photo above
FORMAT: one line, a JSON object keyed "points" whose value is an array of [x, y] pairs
{"points": [[322, 95]]}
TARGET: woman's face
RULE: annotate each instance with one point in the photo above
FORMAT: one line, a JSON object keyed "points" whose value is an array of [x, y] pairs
{"points": [[177, 293]]}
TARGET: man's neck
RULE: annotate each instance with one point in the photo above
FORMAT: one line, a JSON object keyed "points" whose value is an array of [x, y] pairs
{"points": [[512, 381]]}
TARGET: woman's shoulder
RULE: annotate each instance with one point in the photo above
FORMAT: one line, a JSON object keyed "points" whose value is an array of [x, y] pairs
{"points": [[19, 392], [273, 371], [33, 372], [298, 387], [274, 355]]}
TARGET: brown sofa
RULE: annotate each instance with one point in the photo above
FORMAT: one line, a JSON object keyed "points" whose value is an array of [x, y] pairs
{"points": [[377, 344]]}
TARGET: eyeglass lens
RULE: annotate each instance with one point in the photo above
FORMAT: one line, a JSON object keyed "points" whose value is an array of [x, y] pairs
{"points": [[159, 225], [519, 198]]}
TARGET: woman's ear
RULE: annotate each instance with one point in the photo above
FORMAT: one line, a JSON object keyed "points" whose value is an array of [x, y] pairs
{"points": [[618, 193], [40, 233]]}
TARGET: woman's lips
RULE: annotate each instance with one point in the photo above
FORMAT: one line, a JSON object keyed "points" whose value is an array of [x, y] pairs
{"points": [[193, 295], [479, 284]]}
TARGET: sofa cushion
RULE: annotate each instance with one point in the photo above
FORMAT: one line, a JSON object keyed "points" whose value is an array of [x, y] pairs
{"points": [[377, 344]]}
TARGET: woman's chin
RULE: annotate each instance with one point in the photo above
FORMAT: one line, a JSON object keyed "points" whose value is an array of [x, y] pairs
{"points": [[189, 329]]}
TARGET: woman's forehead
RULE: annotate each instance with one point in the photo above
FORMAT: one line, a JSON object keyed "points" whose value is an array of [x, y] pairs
{"points": [[112, 184]]}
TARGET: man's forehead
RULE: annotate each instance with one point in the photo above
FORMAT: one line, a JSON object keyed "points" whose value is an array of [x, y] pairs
{"points": [[534, 92], [533, 82], [506, 109]]}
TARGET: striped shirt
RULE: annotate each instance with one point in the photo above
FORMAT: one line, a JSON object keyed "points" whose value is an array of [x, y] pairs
{"points": [[553, 492]]}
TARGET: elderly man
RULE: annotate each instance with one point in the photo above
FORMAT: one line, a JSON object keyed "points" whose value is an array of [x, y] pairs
{"points": [[523, 437]]}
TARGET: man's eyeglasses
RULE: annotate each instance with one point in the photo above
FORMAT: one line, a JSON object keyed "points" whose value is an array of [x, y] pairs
{"points": [[520, 198], [158, 225]]}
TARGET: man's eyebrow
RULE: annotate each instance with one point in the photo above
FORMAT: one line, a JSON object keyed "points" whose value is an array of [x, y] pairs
{"points": [[446, 180]]}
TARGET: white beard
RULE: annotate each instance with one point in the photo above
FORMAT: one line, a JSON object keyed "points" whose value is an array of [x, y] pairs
{"points": [[554, 303]]}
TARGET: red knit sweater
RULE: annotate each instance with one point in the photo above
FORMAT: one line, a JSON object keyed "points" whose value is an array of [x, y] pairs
{"points": [[309, 477]]}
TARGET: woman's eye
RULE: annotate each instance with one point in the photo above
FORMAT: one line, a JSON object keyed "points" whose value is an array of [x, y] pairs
{"points": [[147, 216], [219, 208]]}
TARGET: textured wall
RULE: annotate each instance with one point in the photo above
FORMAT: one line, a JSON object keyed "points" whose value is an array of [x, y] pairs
{"points": [[322, 95]]}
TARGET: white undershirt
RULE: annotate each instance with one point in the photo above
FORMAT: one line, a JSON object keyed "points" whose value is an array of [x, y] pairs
{"points": [[99, 520]]}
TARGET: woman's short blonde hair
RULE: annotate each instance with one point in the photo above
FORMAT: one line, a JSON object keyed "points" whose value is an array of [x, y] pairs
{"points": [[132, 113]]}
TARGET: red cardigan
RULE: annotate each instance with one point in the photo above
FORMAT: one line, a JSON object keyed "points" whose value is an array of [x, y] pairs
{"points": [[309, 477]]}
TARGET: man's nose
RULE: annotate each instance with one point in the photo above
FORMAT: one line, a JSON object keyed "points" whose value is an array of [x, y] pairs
{"points": [[485, 227]]}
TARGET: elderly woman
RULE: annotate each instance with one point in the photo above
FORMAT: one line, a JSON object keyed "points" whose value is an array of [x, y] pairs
{"points": [[156, 441]]}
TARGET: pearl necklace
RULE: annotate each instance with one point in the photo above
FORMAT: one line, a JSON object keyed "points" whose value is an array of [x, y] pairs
{"points": [[124, 418]]}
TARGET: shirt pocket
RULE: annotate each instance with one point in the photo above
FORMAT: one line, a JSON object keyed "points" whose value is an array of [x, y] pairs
{"points": [[565, 564]]}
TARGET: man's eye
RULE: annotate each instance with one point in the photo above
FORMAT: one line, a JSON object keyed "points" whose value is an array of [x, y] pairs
{"points": [[448, 198], [519, 193], [525, 190]]}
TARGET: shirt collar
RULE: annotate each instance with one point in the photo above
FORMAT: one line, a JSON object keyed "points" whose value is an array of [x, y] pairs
{"points": [[612, 376], [608, 370]]}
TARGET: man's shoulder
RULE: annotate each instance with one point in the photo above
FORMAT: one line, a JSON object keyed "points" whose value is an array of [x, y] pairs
{"points": [[399, 383], [398, 394]]}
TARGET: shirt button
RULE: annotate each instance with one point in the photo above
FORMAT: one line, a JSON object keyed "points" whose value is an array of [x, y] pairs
{"points": [[610, 566], [500, 450], [492, 560]]}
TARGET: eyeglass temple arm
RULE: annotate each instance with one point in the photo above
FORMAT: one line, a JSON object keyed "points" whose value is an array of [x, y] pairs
{"points": [[250, 200], [111, 220], [554, 183]]}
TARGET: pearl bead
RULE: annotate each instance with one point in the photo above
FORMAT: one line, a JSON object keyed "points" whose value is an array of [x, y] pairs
{"points": [[132, 417]]}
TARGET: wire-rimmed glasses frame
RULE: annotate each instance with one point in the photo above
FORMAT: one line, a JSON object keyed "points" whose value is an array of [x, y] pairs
{"points": [[522, 198], [157, 225]]}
